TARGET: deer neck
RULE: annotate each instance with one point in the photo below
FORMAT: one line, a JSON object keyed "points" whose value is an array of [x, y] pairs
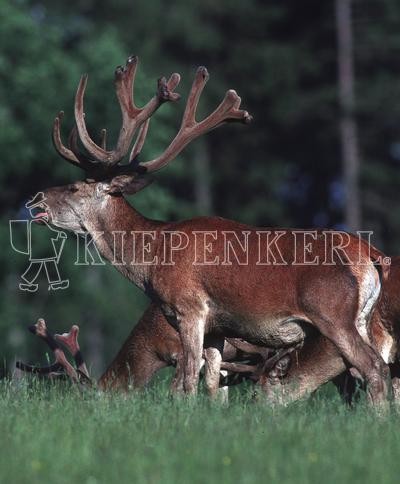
{"points": [[117, 230]]}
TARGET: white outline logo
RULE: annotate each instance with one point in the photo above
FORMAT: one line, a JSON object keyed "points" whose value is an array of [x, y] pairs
{"points": [[47, 258]]}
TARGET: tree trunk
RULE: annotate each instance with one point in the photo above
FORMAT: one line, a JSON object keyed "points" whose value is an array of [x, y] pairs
{"points": [[348, 126], [202, 180]]}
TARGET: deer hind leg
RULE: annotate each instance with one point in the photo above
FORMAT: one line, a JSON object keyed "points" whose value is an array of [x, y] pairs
{"points": [[351, 339], [345, 321], [370, 365]]}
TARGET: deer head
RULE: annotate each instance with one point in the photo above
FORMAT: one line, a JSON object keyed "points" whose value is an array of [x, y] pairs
{"points": [[106, 175]]}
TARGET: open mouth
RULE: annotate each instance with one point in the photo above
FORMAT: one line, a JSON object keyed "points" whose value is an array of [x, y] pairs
{"points": [[39, 214]]}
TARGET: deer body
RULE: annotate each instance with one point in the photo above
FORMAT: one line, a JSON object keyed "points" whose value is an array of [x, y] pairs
{"points": [[251, 304], [271, 304], [265, 304]]}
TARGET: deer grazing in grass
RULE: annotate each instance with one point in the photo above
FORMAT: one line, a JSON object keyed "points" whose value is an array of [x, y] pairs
{"points": [[209, 275], [152, 344]]}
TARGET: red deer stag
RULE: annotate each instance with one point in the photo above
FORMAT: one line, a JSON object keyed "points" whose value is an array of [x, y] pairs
{"points": [[208, 274]]}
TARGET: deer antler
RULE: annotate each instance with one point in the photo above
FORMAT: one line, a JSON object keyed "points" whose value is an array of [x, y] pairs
{"points": [[132, 116], [102, 163], [70, 342], [52, 370], [61, 362], [227, 111], [267, 365], [250, 349]]}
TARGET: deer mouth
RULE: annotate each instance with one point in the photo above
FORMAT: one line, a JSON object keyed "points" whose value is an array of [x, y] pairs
{"points": [[41, 215]]}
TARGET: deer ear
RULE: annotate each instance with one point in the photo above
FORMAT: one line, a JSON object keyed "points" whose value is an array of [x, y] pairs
{"points": [[128, 185]]}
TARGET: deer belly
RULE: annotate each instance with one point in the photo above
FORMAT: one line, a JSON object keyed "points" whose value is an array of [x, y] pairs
{"points": [[272, 332], [282, 333]]}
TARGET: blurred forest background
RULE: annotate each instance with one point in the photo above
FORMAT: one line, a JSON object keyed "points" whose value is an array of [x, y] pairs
{"points": [[291, 63]]}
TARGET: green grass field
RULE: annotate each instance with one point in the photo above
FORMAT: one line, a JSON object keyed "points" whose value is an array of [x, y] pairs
{"points": [[58, 435]]}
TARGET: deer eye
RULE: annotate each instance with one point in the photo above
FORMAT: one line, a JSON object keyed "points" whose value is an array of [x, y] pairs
{"points": [[73, 188]]}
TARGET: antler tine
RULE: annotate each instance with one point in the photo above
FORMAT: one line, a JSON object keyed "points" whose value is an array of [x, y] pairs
{"points": [[201, 78], [89, 144], [84, 161], [40, 330], [227, 111], [124, 83], [238, 367], [72, 152], [132, 117], [73, 141], [103, 139], [141, 138], [250, 349], [70, 342], [65, 152]]}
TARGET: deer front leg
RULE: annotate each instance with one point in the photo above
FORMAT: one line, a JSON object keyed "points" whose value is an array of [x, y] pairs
{"points": [[191, 330]]}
